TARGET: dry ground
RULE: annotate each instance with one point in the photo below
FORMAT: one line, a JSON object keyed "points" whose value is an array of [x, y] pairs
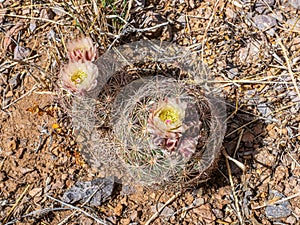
{"points": [[253, 50]]}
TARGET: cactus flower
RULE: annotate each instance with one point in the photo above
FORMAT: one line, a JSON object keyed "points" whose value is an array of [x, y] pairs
{"points": [[81, 49], [165, 123], [79, 77]]}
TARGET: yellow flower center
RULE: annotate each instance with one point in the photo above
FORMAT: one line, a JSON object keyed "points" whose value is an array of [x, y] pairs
{"points": [[169, 115], [78, 77], [78, 49]]}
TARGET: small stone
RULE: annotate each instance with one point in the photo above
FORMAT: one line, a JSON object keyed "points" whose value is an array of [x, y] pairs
{"points": [[58, 10], [100, 189], [265, 158], [166, 211], [118, 209], [232, 73], [26, 11], [32, 26], [125, 221], [35, 192], [249, 53], [133, 215], [265, 23], [198, 201], [265, 111], [281, 172], [9, 94], [25, 170], [205, 212], [128, 190], [248, 137], [218, 213], [64, 176], [263, 5], [295, 3], [3, 176], [280, 210], [291, 220], [230, 13], [295, 44], [21, 52]]}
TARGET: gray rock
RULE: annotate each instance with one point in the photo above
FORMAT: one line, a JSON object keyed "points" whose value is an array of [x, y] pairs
{"points": [[265, 23], [166, 211], [283, 209], [21, 52], [295, 3], [93, 192], [232, 73], [293, 24], [265, 111], [263, 5]]}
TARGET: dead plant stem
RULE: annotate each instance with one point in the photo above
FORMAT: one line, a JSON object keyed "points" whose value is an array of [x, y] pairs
{"points": [[154, 216]]}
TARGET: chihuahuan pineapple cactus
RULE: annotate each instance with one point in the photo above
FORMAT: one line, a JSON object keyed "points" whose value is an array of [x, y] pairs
{"points": [[163, 130]]}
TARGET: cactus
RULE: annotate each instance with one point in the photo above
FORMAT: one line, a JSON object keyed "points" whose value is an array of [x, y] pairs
{"points": [[162, 130]]}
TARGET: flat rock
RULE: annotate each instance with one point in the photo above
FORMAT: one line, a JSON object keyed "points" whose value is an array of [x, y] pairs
{"points": [[265, 23], [281, 210], [98, 190]]}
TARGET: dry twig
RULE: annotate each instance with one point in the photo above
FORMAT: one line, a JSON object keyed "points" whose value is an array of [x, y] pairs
{"points": [[78, 209], [16, 204], [278, 201], [288, 65], [154, 216], [236, 201]]}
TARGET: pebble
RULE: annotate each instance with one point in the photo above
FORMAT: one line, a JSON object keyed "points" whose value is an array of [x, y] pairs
{"points": [[232, 73], [265, 158], [166, 211], [291, 220], [260, 5], [281, 210], [295, 3], [21, 52], [58, 10], [32, 26], [205, 212], [35, 192], [9, 94], [250, 52], [265, 111], [265, 23], [3, 175], [118, 209]]}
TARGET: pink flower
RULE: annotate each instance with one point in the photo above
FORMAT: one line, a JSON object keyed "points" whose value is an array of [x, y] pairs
{"points": [[165, 123], [81, 49], [79, 77], [167, 117]]}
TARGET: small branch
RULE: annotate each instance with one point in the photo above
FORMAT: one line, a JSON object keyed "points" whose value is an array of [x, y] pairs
{"points": [[278, 201], [236, 201], [154, 216], [16, 204], [72, 214], [12, 103], [289, 68], [78, 209]]}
